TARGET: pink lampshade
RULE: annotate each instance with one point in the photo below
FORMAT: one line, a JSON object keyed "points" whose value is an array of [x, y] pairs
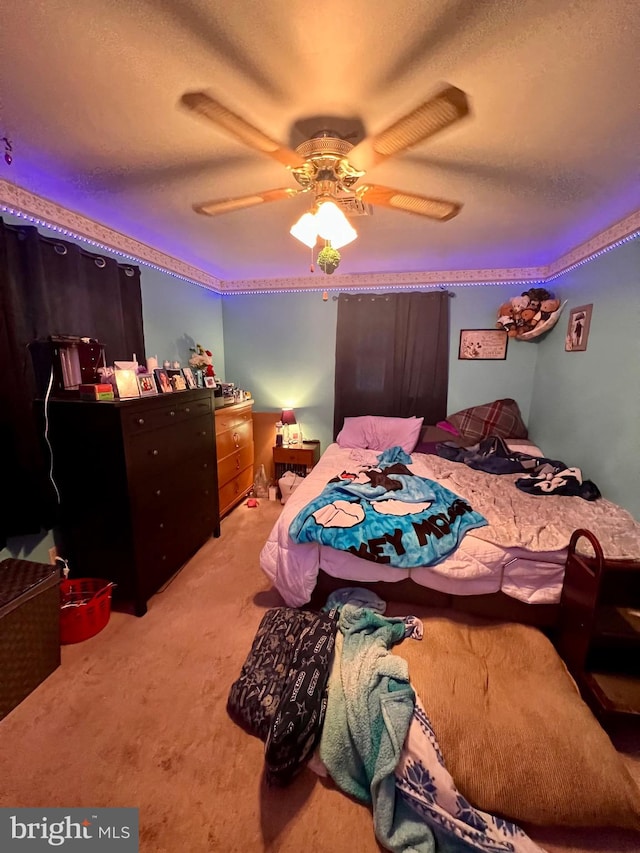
{"points": [[288, 417]]}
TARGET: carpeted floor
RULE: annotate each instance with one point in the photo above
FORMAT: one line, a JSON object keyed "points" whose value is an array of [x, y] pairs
{"points": [[136, 717]]}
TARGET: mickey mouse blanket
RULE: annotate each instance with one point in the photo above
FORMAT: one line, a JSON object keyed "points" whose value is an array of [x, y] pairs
{"points": [[387, 514]]}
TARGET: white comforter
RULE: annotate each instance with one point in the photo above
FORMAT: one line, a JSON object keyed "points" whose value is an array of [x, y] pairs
{"points": [[521, 551]]}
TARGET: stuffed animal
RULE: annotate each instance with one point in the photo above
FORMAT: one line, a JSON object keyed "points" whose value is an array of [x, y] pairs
{"points": [[521, 315], [519, 303], [506, 319], [547, 307]]}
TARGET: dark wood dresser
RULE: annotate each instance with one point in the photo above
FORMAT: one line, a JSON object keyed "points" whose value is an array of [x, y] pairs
{"points": [[138, 486], [234, 439]]}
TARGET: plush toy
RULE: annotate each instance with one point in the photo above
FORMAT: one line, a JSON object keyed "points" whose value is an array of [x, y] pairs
{"points": [[519, 303], [547, 307], [524, 316], [506, 319]]}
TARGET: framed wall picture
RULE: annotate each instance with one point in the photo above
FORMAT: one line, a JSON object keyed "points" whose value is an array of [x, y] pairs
{"points": [[483, 344], [147, 384], [189, 378], [126, 383], [578, 329], [162, 380]]}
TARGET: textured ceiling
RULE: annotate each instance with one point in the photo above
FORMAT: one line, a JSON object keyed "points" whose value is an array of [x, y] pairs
{"points": [[89, 97]]}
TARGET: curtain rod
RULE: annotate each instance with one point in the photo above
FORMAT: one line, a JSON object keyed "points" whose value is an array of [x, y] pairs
{"points": [[450, 294]]}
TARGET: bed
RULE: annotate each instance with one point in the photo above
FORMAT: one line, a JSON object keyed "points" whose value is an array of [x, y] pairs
{"points": [[500, 569]]}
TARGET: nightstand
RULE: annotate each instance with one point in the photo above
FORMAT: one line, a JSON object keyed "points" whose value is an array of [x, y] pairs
{"points": [[299, 458]]}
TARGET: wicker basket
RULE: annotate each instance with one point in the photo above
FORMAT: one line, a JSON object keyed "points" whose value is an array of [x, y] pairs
{"points": [[85, 608]]}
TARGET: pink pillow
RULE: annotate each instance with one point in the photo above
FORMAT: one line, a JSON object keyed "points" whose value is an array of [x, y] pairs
{"points": [[354, 432], [374, 432]]}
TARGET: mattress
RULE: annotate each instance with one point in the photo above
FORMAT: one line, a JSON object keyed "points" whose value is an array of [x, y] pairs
{"points": [[488, 559]]}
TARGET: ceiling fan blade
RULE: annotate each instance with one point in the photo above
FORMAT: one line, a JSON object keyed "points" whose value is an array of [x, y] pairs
{"points": [[228, 205], [432, 208], [211, 109], [445, 108]]}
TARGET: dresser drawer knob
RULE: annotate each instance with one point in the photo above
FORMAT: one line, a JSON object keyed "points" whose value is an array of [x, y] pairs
{"points": [[172, 413], [187, 409], [204, 432], [140, 421], [161, 525], [158, 491], [154, 452], [237, 464]]}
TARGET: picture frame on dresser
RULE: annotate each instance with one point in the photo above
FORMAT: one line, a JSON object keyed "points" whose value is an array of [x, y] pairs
{"points": [[126, 384], [176, 379], [189, 378], [162, 380], [209, 382], [147, 385]]}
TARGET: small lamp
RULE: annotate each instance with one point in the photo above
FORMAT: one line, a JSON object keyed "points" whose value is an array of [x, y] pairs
{"points": [[288, 417]]}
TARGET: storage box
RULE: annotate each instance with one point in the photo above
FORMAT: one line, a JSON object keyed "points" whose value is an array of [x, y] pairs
{"points": [[29, 628], [99, 391]]}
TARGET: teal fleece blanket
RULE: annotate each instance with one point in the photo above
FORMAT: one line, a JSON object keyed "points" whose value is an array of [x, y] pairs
{"points": [[387, 514], [369, 710]]}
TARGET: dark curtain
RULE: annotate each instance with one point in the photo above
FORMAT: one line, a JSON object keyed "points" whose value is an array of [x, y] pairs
{"points": [[50, 287], [392, 356]]}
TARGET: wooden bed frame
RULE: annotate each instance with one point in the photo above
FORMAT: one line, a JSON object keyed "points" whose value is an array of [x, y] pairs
{"points": [[495, 605]]}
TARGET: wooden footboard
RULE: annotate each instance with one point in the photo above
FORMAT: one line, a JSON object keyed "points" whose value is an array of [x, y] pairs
{"points": [[495, 605]]}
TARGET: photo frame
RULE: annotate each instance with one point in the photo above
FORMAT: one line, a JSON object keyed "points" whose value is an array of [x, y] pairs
{"points": [[176, 379], [578, 328], [162, 380], [126, 384], [189, 378], [483, 344], [147, 384], [209, 382]]}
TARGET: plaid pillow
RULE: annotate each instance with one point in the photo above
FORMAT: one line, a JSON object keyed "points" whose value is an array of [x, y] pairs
{"points": [[501, 418]]}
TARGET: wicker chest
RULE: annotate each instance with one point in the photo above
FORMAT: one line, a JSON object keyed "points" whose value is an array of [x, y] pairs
{"points": [[29, 628]]}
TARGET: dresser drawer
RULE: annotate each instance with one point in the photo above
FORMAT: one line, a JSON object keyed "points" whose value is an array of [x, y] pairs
{"points": [[159, 449], [235, 489], [232, 440], [234, 417], [140, 420], [232, 465], [171, 489]]}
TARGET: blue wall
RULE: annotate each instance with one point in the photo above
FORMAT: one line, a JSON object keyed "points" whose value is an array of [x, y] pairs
{"points": [[581, 407], [281, 347], [585, 406]]}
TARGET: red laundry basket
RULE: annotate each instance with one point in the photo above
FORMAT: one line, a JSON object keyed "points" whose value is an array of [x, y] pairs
{"points": [[85, 608]]}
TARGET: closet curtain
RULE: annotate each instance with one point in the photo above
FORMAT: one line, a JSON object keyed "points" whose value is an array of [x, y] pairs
{"points": [[50, 287], [392, 356]]}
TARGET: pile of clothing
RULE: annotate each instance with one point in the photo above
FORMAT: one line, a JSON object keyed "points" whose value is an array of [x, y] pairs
{"points": [[326, 686]]}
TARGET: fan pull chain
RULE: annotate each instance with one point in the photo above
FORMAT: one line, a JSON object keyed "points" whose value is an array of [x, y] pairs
{"points": [[311, 266]]}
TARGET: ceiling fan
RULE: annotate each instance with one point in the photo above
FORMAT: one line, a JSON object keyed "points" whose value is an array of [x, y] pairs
{"points": [[330, 166]]}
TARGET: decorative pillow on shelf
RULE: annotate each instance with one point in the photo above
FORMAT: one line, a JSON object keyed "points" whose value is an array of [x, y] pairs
{"points": [[375, 432], [502, 418]]}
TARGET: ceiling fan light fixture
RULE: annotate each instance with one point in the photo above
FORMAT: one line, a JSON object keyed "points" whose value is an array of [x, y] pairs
{"points": [[305, 230], [333, 225]]}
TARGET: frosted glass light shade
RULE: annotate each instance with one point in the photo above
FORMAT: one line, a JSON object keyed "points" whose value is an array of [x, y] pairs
{"points": [[305, 230], [333, 225]]}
